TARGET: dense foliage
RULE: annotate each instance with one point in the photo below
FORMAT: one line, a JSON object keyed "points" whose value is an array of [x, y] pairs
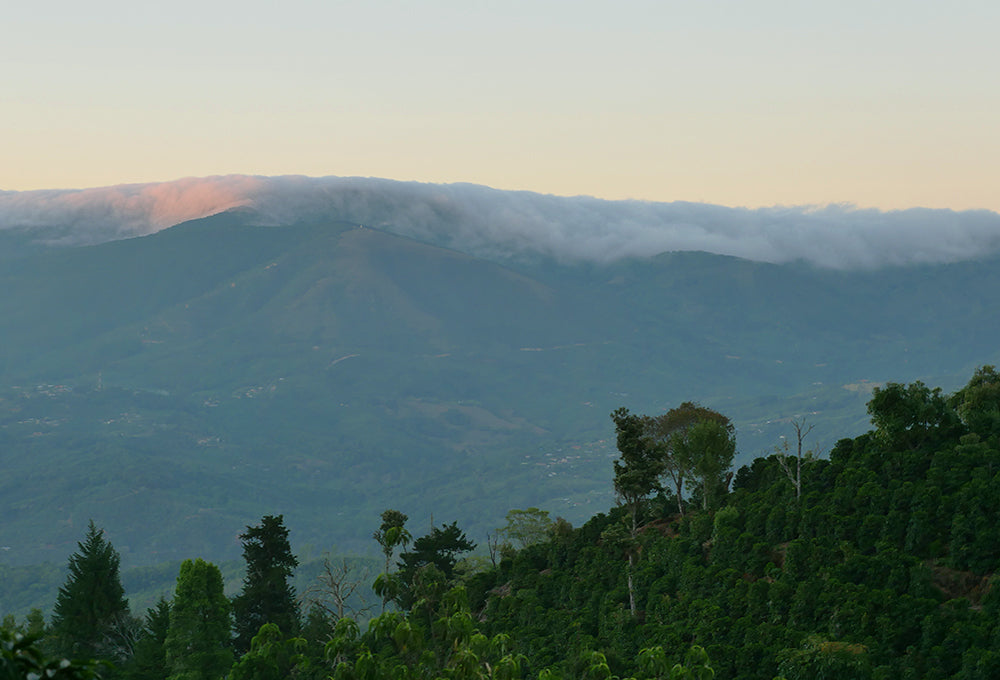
{"points": [[267, 595], [91, 612], [877, 562]]}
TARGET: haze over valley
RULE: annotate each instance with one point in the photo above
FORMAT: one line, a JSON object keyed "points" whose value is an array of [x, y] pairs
{"points": [[181, 358]]}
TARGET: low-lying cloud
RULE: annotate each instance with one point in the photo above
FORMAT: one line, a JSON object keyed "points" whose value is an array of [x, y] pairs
{"points": [[505, 224]]}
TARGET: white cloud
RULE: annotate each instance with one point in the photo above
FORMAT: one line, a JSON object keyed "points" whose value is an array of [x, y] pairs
{"points": [[498, 224]]}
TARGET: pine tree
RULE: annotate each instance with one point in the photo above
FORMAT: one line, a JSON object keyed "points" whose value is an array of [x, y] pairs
{"points": [[267, 597], [149, 662], [197, 643], [92, 602]]}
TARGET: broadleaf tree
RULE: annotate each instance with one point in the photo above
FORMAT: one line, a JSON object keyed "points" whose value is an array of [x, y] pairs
{"points": [[668, 433], [198, 644], [637, 475]]}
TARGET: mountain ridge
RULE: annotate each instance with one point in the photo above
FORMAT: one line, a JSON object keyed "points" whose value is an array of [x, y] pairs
{"points": [[177, 386]]}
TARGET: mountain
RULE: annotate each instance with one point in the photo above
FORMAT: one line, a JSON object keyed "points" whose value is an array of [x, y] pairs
{"points": [[176, 386]]}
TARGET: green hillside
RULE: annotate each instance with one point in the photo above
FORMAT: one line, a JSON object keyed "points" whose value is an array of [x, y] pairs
{"points": [[877, 562]]}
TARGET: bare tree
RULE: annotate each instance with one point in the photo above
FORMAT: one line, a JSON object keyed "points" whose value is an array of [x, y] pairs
{"points": [[793, 470], [338, 589]]}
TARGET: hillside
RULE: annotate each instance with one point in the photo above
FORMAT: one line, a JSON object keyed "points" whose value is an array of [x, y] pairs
{"points": [[877, 562], [177, 386]]}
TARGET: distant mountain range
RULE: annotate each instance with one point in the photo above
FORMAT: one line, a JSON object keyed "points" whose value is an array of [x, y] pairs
{"points": [[175, 386]]}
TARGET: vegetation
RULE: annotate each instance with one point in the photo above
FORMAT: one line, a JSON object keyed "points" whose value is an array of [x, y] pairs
{"points": [[267, 595], [197, 645], [878, 562], [91, 618]]}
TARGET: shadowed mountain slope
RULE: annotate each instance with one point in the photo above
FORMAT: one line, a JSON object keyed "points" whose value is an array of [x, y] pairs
{"points": [[177, 386]]}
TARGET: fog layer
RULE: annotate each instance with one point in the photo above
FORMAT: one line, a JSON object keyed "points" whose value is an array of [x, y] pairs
{"points": [[500, 224]]}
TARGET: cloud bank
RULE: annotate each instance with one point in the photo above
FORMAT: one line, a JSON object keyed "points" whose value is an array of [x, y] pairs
{"points": [[506, 224]]}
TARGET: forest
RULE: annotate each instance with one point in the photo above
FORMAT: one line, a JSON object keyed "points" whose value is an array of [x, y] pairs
{"points": [[876, 559]]}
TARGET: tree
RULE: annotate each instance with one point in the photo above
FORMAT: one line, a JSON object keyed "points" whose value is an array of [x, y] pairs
{"points": [[908, 417], [337, 590], [390, 535], [710, 445], [526, 527], [267, 596], [668, 433], [638, 470], [637, 475], [272, 656], [92, 601], [149, 662], [978, 404], [439, 548], [198, 641], [793, 469]]}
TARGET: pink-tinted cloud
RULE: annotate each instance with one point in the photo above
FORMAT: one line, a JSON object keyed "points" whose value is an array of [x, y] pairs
{"points": [[96, 215], [503, 224]]}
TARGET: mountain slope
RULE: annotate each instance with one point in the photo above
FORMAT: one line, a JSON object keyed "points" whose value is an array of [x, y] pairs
{"points": [[177, 386]]}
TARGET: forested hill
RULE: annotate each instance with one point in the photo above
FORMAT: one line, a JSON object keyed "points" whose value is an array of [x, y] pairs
{"points": [[177, 385], [882, 567], [875, 564]]}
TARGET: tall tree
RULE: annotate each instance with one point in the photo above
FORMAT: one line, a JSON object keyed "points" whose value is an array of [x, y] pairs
{"points": [[390, 535], [267, 596], [668, 433], [793, 467], [198, 639], [638, 470], [92, 601], [710, 446], [149, 662], [637, 475]]}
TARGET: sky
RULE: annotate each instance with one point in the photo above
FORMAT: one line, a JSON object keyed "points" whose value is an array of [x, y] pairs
{"points": [[751, 103]]}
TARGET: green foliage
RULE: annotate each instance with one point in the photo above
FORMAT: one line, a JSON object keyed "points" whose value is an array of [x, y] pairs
{"points": [[197, 645], [526, 527], [272, 656], [22, 659], [439, 548], [820, 659], [709, 446], [882, 565], [978, 404], [638, 469], [91, 609], [267, 596], [149, 660], [391, 534], [670, 434], [910, 416]]}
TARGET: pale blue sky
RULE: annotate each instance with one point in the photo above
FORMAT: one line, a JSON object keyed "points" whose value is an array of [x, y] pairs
{"points": [[888, 104]]}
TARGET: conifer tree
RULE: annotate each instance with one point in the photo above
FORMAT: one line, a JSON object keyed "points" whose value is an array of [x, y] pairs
{"points": [[197, 643], [267, 597], [149, 662], [91, 602]]}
